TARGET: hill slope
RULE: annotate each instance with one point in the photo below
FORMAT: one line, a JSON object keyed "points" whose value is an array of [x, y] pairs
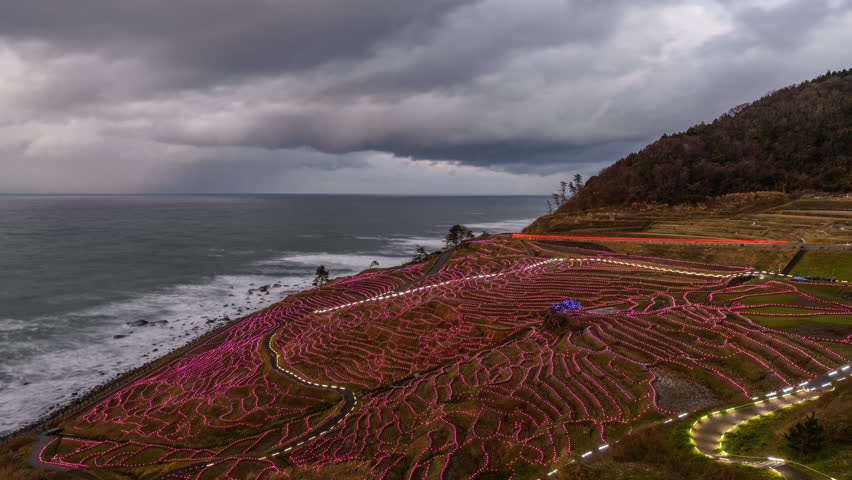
{"points": [[797, 138]]}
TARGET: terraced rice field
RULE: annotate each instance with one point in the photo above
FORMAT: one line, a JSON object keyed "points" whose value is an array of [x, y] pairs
{"points": [[803, 220], [454, 376]]}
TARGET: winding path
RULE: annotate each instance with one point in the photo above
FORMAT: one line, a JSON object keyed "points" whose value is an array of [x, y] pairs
{"points": [[42, 441], [350, 401], [709, 431]]}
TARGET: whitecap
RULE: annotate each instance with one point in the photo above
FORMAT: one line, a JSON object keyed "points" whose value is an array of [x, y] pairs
{"points": [[503, 226]]}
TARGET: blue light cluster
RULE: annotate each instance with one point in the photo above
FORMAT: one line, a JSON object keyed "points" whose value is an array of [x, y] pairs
{"points": [[567, 305]]}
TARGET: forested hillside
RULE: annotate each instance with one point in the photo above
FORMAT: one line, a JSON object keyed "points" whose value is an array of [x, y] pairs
{"points": [[795, 139]]}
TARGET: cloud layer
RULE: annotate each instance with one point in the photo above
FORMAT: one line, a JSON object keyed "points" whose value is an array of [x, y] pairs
{"points": [[261, 95]]}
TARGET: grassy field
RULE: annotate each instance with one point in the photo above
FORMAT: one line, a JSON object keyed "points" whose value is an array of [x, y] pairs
{"points": [[826, 263], [764, 436]]}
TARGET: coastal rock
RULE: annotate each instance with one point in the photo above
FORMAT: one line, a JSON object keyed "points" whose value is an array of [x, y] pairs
{"points": [[137, 323], [119, 336]]}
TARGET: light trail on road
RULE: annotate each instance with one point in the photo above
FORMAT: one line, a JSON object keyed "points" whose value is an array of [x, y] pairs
{"points": [[654, 239]]}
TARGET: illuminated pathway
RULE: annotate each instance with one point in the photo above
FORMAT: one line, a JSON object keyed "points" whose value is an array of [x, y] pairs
{"points": [[709, 431], [350, 400]]}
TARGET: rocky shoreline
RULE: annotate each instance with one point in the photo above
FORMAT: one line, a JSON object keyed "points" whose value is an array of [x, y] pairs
{"points": [[97, 393]]}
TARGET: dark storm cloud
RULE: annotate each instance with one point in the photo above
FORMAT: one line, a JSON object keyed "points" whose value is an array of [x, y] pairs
{"points": [[193, 92], [524, 157], [220, 38]]}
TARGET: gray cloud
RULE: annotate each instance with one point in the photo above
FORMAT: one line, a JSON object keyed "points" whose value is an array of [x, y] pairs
{"points": [[159, 95], [221, 37]]}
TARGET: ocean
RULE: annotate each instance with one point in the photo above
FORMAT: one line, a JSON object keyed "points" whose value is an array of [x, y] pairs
{"points": [[93, 286]]}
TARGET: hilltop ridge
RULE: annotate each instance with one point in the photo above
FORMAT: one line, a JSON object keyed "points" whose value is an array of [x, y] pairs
{"points": [[795, 139]]}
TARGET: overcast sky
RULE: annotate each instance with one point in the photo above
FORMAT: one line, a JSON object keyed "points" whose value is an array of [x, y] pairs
{"points": [[378, 96]]}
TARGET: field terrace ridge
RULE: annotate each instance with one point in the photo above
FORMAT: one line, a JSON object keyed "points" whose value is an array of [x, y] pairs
{"points": [[454, 378]]}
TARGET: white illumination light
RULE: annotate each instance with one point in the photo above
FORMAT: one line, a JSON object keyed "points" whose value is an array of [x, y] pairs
{"points": [[586, 454], [775, 459]]}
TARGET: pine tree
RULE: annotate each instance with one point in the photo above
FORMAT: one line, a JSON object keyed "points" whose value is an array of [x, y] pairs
{"points": [[457, 235], [806, 437], [322, 276]]}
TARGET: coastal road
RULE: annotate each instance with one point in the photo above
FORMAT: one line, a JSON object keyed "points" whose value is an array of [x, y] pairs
{"points": [[710, 430], [435, 268], [693, 241], [41, 446]]}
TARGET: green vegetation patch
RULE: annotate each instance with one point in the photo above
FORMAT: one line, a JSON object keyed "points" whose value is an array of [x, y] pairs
{"points": [[826, 263], [785, 321]]}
